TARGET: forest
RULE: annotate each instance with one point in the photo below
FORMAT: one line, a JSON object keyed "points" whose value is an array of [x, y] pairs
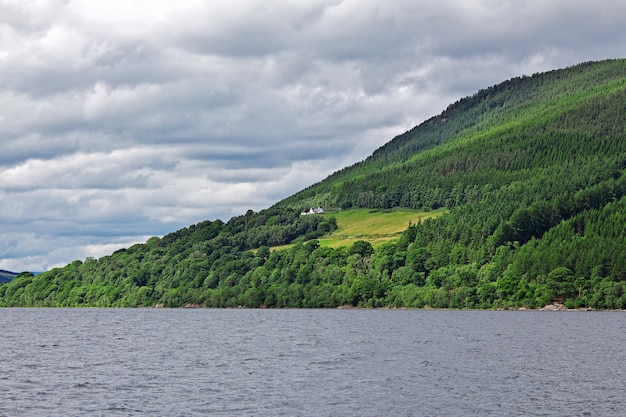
{"points": [[531, 173]]}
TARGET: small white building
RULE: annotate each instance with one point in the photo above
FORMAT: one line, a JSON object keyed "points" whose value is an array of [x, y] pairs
{"points": [[313, 210]]}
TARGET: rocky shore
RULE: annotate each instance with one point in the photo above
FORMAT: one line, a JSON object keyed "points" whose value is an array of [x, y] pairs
{"points": [[561, 307]]}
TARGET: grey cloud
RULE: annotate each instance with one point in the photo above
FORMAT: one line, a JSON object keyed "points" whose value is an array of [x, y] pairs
{"points": [[21, 17], [259, 157]]}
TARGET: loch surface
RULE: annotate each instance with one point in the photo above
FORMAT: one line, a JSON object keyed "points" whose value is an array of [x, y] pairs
{"points": [[205, 362]]}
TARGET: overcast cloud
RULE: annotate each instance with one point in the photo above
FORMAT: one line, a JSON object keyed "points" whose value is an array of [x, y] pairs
{"points": [[122, 120]]}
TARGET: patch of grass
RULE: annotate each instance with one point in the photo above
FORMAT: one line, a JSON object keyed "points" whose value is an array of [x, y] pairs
{"points": [[374, 226]]}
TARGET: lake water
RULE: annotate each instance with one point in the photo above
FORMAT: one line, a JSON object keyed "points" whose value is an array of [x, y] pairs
{"points": [[204, 362]]}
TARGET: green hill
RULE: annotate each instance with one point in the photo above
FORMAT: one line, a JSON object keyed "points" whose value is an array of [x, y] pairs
{"points": [[529, 173]]}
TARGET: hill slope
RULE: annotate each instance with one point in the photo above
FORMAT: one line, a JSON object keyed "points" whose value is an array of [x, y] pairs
{"points": [[546, 121], [531, 171]]}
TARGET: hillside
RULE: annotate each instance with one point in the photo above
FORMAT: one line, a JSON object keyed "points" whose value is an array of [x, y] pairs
{"points": [[544, 122], [530, 171]]}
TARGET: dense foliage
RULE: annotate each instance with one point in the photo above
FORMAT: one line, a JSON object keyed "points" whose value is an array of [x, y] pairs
{"points": [[531, 170]]}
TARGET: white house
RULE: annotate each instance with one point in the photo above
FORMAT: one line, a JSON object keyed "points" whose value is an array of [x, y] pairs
{"points": [[316, 210]]}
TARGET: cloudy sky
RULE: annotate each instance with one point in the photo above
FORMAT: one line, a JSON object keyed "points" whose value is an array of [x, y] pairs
{"points": [[121, 120]]}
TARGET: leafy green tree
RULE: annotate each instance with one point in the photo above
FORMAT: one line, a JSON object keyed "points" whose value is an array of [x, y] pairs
{"points": [[362, 248]]}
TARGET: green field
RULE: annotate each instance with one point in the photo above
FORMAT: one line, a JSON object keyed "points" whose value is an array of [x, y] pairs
{"points": [[375, 226]]}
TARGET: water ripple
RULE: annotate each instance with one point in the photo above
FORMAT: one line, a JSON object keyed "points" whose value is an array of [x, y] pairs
{"points": [[65, 362]]}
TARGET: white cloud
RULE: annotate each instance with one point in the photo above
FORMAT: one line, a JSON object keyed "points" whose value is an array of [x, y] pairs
{"points": [[121, 120]]}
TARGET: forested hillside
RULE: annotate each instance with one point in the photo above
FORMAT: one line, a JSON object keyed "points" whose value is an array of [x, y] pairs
{"points": [[530, 170]]}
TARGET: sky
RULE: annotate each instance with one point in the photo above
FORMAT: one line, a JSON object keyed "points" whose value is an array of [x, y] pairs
{"points": [[122, 120]]}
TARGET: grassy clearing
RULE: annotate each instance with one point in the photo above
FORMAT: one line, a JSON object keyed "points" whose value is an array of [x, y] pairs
{"points": [[374, 226]]}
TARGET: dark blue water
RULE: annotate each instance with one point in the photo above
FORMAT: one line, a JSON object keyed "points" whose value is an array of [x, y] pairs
{"points": [[153, 362]]}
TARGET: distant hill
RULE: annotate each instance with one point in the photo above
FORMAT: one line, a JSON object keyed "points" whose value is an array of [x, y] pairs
{"points": [[529, 176], [6, 276]]}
